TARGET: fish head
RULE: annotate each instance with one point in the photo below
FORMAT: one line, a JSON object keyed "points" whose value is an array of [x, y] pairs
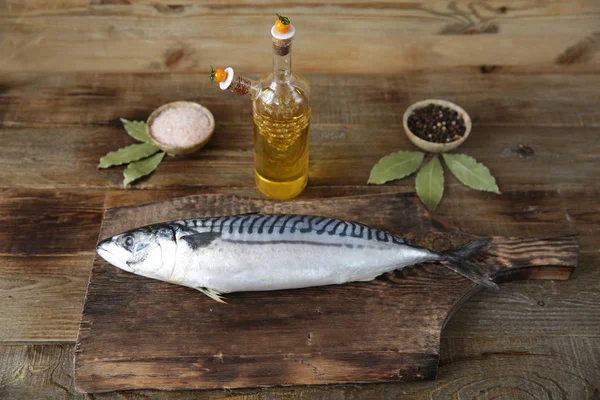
{"points": [[148, 251]]}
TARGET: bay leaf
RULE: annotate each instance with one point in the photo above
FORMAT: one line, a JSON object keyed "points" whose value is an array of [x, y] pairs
{"points": [[430, 183], [137, 130], [141, 168], [471, 173], [128, 154], [395, 166]]}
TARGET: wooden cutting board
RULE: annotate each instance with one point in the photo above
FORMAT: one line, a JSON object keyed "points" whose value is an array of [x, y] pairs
{"points": [[142, 333]]}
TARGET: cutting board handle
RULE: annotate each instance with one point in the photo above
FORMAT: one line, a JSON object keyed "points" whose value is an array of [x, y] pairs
{"points": [[512, 259]]}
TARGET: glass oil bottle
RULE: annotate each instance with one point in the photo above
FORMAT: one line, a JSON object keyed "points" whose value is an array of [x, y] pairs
{"points": [[281, 114]]}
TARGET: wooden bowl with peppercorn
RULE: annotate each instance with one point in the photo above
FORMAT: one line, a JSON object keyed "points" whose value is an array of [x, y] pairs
{"points": [[436, 126]]}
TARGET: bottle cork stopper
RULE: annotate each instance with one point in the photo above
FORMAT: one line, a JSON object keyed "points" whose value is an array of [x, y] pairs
{"points": [[282, 42]]}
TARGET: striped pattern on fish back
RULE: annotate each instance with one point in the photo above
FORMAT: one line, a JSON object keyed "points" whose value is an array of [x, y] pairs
{"points": [[285, 224]]}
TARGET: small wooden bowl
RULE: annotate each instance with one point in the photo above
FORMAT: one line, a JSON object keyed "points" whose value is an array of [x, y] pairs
{"points": [[432, 147], [180, 150]]}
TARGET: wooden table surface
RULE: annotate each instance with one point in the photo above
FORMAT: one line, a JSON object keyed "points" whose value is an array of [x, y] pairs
{"points": [[532, 339], [526, 71]]}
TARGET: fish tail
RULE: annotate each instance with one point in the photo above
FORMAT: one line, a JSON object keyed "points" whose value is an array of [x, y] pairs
{"points": [[458, 260]]}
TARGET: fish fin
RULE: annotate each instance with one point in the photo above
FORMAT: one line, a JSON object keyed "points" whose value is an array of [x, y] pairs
{"points": [[473, 248], [458, 260], [213, 294], [366, 279]]}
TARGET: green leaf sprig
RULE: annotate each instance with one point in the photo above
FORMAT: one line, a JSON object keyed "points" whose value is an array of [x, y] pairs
{"points": [[396, 166], [212, 74], [430, 178], [142, 158], [430, 183], [284, 20]]}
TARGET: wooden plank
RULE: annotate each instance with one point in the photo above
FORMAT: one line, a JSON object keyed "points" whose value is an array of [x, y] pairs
{"points": [[46, 244], [491, 98], [579, 351], [278, 353], [43, 7], [526, 212], [122, 198], [37, 372], [364, 120], [41, 297], [52, 222], [436, 34], [342, 155], [540, 365]]}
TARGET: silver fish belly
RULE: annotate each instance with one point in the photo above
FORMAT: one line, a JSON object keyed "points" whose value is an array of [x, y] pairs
{"points": [[254, 252]]}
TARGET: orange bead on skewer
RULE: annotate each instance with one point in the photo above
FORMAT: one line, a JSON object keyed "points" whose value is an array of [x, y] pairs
{"points": [[217, 75], [220, 75], [282, 24]]}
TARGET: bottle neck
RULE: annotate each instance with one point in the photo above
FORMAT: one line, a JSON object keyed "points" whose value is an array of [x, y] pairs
{"points": [[282, 71], [282, 59], [245, 87]]}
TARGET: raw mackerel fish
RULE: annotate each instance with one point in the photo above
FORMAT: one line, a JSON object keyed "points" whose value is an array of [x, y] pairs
{"points": [[255, 252]]}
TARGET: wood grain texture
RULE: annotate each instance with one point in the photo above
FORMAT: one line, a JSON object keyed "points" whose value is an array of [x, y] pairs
{"points": [[491, 98], [307, 336], [530, 340], [48, 222], [36, 372], [529, 367], [41, 297], [71, 122], [352, 36], [536, 308], [339, 156], [527, 211]]}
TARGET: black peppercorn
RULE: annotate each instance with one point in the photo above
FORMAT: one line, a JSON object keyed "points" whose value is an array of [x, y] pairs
{"points": [[437, 124]]}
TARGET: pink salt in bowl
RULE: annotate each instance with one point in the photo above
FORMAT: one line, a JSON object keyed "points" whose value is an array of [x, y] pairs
{"points": [[180, 127]]}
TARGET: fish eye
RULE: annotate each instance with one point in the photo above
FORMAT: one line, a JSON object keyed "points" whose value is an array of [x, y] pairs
{"points": [[128, 241]]}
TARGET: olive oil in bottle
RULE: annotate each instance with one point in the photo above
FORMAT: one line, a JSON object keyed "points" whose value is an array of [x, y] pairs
{"points": [[281, 115], [281, 135]]}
